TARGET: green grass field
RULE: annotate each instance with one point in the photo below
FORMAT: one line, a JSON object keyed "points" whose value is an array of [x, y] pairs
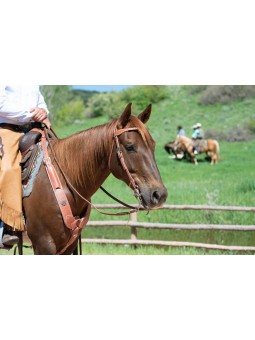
{"points": [[229, 183]]}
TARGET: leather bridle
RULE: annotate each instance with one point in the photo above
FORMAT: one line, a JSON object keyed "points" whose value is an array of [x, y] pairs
{"points": [[117, 133]]}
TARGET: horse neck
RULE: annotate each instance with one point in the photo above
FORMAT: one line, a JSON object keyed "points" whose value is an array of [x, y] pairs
{"points": [[184, 140], [84, 158]]}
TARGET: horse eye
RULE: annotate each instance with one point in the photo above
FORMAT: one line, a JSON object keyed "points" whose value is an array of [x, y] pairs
{"points": [[130, 147]]}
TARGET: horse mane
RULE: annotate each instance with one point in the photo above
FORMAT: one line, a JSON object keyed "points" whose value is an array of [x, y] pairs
{"points": [[184, 140], [77, 152], [80, 150]]}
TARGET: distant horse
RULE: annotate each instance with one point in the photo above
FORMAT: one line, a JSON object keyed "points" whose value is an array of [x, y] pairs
{"points": [[177, 151], [209, 146], [83, 161]]}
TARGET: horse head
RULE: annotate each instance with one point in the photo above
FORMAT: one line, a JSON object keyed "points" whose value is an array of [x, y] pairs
{"points": [[170, 147], [132, 158]]}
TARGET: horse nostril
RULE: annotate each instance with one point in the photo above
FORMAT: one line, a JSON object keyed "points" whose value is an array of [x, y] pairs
{"points": [[155, 197]]}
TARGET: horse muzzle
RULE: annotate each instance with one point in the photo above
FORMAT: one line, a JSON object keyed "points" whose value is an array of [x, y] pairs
{"points": [[153, 198]]}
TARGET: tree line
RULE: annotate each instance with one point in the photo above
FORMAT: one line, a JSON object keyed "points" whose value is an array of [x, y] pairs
{"points": [[68, 106]]}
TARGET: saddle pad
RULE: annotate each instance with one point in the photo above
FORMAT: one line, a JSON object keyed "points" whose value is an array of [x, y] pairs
{"points": [[27, 189], [203, 143]]}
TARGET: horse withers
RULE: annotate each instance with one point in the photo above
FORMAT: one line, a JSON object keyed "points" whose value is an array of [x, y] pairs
{"points": [[83, 161], [209, 146]]}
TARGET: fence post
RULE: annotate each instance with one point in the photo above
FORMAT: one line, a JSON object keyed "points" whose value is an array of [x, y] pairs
{"points": [[134, 229]]}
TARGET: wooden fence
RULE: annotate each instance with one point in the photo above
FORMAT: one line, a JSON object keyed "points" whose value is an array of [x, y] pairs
{"points": [[134, 225]]}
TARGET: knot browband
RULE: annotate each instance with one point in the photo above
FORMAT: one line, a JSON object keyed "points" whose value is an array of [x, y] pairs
{"points": [[121, 131]]}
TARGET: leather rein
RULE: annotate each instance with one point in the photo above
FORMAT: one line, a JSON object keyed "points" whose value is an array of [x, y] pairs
{"points": [[73, 223]]}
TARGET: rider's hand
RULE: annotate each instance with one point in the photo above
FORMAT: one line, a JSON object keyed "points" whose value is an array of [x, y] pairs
{"points": [[39, 114]]}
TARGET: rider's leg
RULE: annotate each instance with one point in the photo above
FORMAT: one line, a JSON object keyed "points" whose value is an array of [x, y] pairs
{"points": [[6, 239], [10, 180]]}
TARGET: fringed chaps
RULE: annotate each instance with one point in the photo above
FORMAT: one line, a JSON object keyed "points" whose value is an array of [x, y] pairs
{"points": [[10, 180]]}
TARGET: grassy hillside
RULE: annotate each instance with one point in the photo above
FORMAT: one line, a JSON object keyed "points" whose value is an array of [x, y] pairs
{"points": [[183, 108]]}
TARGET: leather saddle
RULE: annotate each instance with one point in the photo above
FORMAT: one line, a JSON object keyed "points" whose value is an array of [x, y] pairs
{"points": [[199, 143], [29, 149]]}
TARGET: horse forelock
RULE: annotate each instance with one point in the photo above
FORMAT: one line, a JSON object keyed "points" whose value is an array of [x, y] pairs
{"points": [[135, 122]]}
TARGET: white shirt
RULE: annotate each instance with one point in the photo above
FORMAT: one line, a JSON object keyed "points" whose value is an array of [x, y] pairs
{"points": [[17, 101]]}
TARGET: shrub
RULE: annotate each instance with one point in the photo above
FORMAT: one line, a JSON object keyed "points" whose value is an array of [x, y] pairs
{"points": [[64, 105], [142, 95], [215, 134], [194, 89], [56, 96], [104, 104], [69, 112], [226, 93], [251, 126], [236, 134], [112, 104]]}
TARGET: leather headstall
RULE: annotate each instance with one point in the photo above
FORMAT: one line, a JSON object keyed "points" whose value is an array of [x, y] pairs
{"points": [[117, 133]]}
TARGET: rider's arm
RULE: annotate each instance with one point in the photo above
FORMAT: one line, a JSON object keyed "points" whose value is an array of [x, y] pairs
{"points": [[11, 108], [41, 103]]}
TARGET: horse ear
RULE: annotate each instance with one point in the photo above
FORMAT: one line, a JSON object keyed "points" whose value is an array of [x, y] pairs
{"points": [[124, 118], [145, 115]]}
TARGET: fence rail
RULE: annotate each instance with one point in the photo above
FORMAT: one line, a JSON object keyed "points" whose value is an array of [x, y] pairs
{"points": [[183, 207], [133, 224]]}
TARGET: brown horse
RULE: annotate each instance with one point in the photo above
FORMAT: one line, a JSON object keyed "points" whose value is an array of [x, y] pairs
{"points": [[87, 158], [178, 152], [209, 146]]}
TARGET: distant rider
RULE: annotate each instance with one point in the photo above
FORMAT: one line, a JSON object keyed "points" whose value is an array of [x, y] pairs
{"points": [[180, 131], [197, 135]]}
